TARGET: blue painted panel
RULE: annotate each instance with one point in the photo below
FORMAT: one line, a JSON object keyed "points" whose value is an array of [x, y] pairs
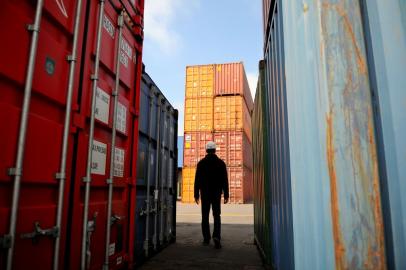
{"points": [[386, 22], [325, 183], [180, 151], [335, 181]]}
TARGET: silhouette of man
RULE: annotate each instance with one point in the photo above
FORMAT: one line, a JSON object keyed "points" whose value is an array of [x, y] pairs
{"points": [[211, 181]]}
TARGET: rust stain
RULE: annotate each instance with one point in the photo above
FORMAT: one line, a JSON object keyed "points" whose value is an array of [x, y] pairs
{"points": [[339, 248], [341, 11], [377, 255]]}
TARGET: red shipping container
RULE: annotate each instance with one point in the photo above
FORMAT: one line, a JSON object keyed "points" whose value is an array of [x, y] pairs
{"points": [[195, 147], [240, 184], [36, 206], [89, 248], [234, 148], [230, 79]]}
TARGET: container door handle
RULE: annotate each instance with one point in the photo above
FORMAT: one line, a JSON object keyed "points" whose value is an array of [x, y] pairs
{"points": [[39, 232], [91, 227]]}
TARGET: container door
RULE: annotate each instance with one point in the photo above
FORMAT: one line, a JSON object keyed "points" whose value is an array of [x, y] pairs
{"points": [[37, 196], [109, 96]]}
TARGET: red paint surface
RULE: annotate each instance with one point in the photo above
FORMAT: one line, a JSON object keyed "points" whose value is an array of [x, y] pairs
{"points": [[124, 186], [38, 196], [230, 79]]}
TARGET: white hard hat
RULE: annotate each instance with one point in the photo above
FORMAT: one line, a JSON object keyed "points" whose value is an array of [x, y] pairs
{"points": [[210, 145]]}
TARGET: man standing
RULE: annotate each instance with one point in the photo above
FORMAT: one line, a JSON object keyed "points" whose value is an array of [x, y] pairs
{"points": [[211, 180]]}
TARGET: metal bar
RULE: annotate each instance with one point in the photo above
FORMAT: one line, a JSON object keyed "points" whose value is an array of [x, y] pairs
{"points": [[146, 242], [109, 181], [169, 180], [161, 214], [62, 173], [17, 171], [156, 191], [87, 179]]}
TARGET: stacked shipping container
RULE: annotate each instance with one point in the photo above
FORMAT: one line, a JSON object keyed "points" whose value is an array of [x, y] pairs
{"points": [[156, 172], [328, 123], [69, 131], [217, 108]]}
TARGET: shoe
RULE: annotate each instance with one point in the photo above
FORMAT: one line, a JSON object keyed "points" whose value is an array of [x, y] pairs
{"points": [[206, 242], [217, 243]]}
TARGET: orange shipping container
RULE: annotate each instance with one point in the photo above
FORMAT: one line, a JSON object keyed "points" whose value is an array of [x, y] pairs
{"points": [[234, 148], [231, 113], [199, 81], [188, 182], [195, 147], [198, 114], [230, 79]]}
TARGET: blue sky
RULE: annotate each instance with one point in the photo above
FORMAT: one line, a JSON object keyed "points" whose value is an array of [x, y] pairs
{"points": [[179, 33]]}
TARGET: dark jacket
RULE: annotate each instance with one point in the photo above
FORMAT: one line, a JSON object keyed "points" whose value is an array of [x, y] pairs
{"points": [[211, 178]]}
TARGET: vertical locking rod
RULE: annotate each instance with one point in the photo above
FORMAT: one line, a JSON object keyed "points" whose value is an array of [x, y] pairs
{"points": [[17, 171], [163, 176], [157, 174], [120, 24], [87, 178], [62, 173], [148, 199]]}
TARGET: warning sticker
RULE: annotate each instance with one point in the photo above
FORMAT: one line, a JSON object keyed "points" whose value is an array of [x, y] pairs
{"points": [[112, 249], [119, 162], [99, 156], [121, 118], [119, 260], [102, 106]]}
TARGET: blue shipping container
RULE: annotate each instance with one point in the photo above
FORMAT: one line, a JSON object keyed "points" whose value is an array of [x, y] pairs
{"points": [[337, 91], [156, 171]]}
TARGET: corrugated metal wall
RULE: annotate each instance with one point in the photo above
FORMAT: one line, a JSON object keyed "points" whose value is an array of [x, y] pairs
{"points": [[385, 27], [156, 194], [336, 118]]}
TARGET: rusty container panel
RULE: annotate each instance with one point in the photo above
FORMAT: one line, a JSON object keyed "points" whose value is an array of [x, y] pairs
{"points": [[234, 148], [188, 183], [230, 79], [231, 113], [325, 183], [199, 81], [386, 26], [195, 147], [198, 114]]}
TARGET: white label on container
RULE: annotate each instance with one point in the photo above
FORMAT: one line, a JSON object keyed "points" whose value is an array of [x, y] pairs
{"points": [[102, 106], [119, 157], [188, 137], [126, 52], [119, 260], [121, 118], [99, 156], [112, 249], [108, 26]]}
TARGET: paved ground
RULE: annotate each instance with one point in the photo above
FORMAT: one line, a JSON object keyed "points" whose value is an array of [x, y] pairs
{"points": [[238, 252]]}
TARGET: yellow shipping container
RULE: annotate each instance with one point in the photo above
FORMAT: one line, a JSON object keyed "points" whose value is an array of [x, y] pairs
{"points": [[231, 113], [188, 181], [199, 81], [198, 114]]}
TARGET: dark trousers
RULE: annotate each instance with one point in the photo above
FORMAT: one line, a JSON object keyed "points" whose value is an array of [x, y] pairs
{"points": [[215, 206]]}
